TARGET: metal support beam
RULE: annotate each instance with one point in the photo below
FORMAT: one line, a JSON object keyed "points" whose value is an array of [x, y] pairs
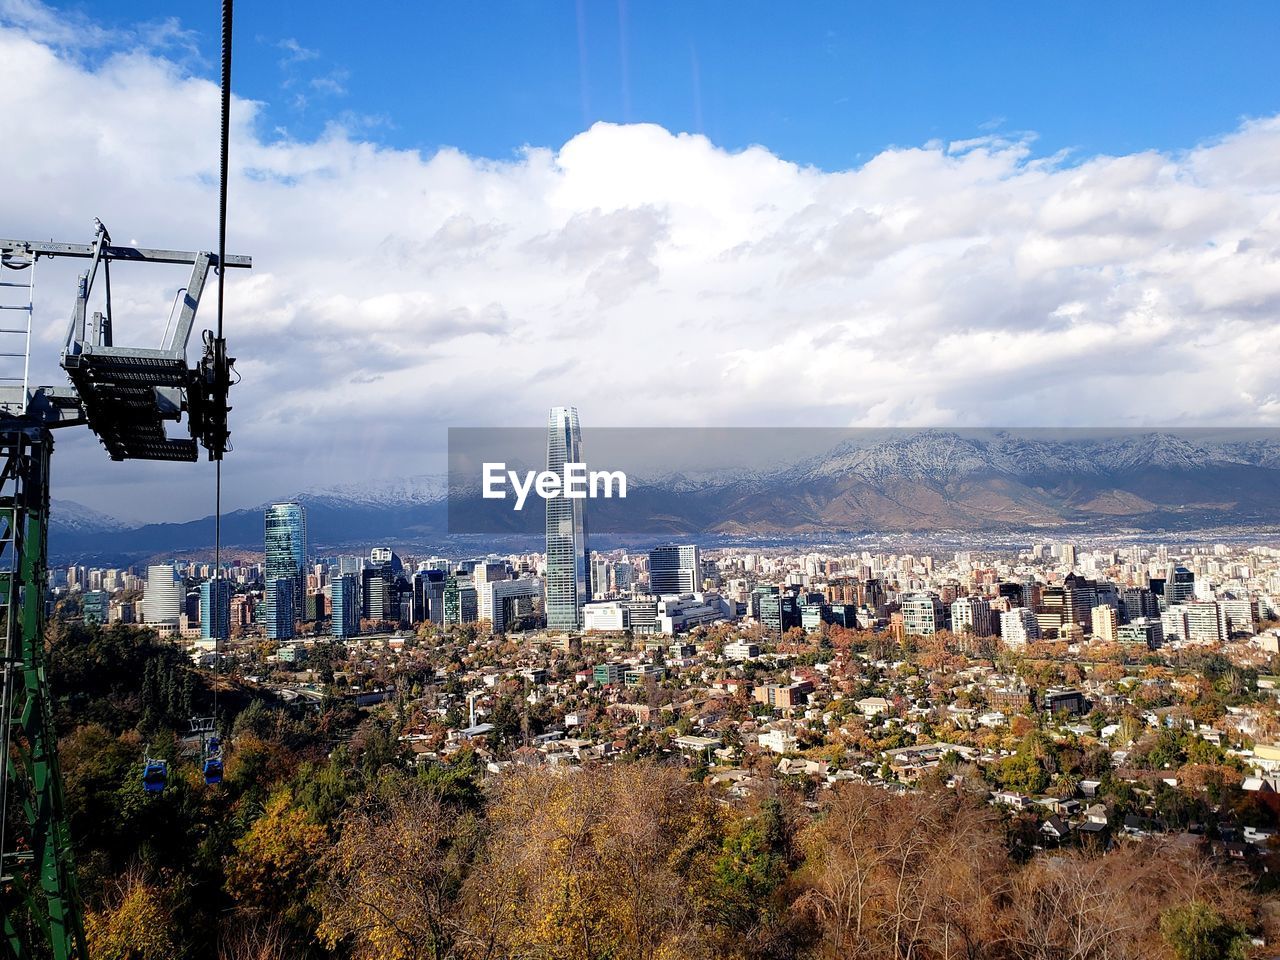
{"points": [[41, 904], [48, 248]]}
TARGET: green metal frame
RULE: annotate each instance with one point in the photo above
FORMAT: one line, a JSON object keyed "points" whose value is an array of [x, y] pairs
{"points": [[42, 909]]}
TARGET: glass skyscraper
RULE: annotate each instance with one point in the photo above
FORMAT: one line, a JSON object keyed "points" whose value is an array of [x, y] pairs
{"points": [[344, 598], [215, 609], [568, 581], [285, 568]]}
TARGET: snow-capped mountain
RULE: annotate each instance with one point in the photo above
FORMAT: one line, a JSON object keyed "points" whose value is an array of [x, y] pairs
{"points": [[72, 516], [425, 488], [929, 480], [945, 456]]}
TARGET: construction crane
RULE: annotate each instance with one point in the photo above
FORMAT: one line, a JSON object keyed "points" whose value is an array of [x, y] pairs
{"points": [[125, 395]]}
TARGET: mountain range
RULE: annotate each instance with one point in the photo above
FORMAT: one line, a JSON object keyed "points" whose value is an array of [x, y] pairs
{"points": [[919, 481]]}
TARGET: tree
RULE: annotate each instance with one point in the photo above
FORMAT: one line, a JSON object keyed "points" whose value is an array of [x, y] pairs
{"points": [[1023, 773], [1196, 931], [393, 879], [136, 924], [275, 862]]}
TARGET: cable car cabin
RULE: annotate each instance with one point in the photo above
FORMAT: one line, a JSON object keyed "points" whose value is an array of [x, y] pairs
{"points": [[155, 776], [213, 745], [213, 770]]}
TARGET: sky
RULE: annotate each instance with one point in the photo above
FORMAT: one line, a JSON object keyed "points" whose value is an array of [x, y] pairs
{"points": [[736, 214]]}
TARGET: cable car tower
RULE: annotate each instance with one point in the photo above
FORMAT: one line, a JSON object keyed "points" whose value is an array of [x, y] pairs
{"points": [[126, 396]]}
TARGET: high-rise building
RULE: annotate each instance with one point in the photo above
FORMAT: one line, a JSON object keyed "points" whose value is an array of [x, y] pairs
{"points": [[1018, 627], [1203, 622], [377, 594], [483, 575], [776, 612], [567, 574], [285, 568], [599, 576], [162, 599], [428, 595], [344, 599], [1179, 586], [675, 569], [1138, 602], [507, 600], [971, 615], [460, 602], [922, 614], [215, 610], [1105, 623]]}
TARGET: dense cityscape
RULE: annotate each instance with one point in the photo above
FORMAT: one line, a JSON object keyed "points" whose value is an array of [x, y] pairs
{"points": [[1091, 700], [908, 588]]}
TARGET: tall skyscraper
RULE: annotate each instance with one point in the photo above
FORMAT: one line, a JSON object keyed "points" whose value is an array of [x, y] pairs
{"points": [[428, 595], [215, 610], [1179, 586], [344, 598], [162, 599], [675, 569], [380, 595], [285, 568], [568, 576]]}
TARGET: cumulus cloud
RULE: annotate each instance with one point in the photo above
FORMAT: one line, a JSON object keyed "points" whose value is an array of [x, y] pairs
{"points": [[647, 276]]}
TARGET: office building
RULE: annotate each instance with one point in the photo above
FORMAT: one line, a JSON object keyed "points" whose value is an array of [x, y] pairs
{"points": [[567, 572], [675, 569], [606, 616], [1235, 618], [922, 614], [599, 576], [508, 601], [428, 595], [683, 613], [1203, 622], [1138, 602], [460, 603], [1144, 630], [163, 596], [1179, 586], [215, 610], [284, 568], [344, 602], [778, 612]]}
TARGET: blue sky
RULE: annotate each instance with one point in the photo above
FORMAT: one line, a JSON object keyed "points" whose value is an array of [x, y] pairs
{"points": [[828, 84]]}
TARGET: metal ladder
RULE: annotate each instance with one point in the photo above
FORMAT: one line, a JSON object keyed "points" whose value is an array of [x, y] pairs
{"points": [[10, 660], [17, 297]]}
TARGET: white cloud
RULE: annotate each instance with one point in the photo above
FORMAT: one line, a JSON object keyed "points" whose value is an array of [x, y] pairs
{"points": [[646, 276]]}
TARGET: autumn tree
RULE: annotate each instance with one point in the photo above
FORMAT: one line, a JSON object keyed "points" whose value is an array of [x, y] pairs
{"points": [[393, 879]]}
